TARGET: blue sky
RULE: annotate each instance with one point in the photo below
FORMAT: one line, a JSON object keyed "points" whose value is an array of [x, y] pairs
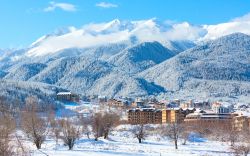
{"points": [[23, 21]]}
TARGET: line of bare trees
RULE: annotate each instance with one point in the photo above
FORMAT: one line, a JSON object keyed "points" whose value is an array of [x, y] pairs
{"points": [[213, 130], [10, 144], [37, 126], [172, 130]]}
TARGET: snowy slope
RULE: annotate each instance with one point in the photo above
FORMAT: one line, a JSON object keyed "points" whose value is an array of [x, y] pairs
{"points": [[140, 57], [19, 90], [25, 71], [223, 60], [122, 142]]}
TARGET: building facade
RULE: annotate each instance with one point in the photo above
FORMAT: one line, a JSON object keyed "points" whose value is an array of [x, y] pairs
{"points": [[241, 123], [173, 115], [68, 96], [221, 108], [117, 103], [157, 116], [144, 116]]}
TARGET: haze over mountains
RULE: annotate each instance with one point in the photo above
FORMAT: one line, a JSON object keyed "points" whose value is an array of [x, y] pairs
{"points": [[137, 58]]}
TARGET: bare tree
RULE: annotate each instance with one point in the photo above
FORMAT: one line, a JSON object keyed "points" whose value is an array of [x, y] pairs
{"points": [[21, 150], [173, 131], [139, 132], [7, 126], [110, 120], [34, 125], [55, 128], [4, 106], [185, 132], [242, 149], [86, 123], [86, 130], [70, 132], [10, 144], [232, 136], [97, 125]]}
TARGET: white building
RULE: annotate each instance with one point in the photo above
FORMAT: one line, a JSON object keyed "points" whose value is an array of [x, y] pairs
{"points": [[222, 107]]}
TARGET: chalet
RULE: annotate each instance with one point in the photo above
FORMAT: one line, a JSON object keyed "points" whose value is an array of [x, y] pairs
{"points": [[156, 104], [102, 99], [68, 96], [137, 104], [201, 104], [117, 103]]}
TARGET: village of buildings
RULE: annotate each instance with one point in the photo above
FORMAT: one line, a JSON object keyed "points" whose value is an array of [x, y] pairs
{"points": [[151, 111]]}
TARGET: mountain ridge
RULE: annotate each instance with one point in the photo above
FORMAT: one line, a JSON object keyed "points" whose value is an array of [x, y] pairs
{"points": [[144, 69]]}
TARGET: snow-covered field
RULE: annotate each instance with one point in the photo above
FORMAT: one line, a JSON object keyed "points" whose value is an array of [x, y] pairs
{"points": [[121, 142]]}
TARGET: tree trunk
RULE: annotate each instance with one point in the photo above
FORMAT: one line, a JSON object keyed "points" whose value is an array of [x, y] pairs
{"points": [[70, 147], [139, 140], [184, 142], [71, 144], [232, 143], [38, 145], [175, 143], [105, 136]]}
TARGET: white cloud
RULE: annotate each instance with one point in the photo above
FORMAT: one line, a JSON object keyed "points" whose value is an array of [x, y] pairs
{"points": [[64, 6], [242, 18], [239, 24], [106, 5], [185, 31], [144, 30], [216, 31]]}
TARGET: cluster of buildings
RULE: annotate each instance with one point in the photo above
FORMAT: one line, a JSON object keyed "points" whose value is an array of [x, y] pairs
{"points": [[152, 111], [190, 112]]}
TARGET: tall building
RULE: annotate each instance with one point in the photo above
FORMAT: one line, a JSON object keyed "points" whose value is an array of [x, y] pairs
{"points": [[144, 116], [241, 123], [173, 115]]}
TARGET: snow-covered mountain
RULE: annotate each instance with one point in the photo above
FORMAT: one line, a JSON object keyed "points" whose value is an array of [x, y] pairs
{"points": [[140, 57], [116, 31], [112, 75], [224, 62], [135, 58], [15, 93]]}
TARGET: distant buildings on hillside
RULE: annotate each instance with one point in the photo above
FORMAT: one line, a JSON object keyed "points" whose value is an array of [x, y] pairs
{"points": [[152, 111], [68, 97]]}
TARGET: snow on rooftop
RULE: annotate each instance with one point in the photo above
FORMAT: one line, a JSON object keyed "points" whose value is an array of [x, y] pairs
{"points": [[64, 93], [243, 113]]}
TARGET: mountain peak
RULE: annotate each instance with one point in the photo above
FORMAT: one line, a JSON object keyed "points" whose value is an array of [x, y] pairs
{"points": [[234, 36], [117, 31], [239, 40], [114, 22]]}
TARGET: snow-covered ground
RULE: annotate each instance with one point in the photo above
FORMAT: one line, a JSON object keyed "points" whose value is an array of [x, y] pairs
{"points": [[121, 142]]}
